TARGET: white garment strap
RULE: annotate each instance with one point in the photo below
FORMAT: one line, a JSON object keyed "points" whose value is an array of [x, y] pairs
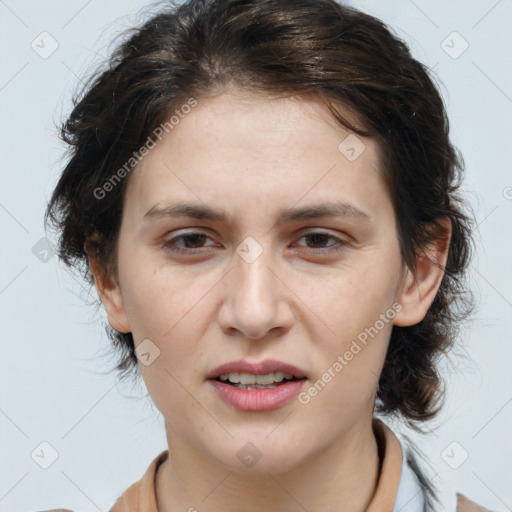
{"points": [[411, 494]]}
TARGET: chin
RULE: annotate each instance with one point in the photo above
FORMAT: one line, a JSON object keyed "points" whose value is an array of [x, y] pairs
{"points": [[258, 454]]}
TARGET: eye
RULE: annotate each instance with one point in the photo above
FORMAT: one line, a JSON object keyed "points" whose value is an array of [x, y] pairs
{"points": [[320, 238], [192, 241]]}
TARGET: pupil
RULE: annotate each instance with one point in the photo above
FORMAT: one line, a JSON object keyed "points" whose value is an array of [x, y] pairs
{"points": [[318, 238], [194, 239]]}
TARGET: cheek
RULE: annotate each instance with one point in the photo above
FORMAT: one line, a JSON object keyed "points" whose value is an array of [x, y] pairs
{"points": [[357, 305], [166, 306], [169, 392], [347, 381], [351, 299], [157, 299]]}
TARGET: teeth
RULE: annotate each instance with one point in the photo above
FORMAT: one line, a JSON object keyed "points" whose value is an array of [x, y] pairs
{"points": [[249, 378], [254, 386], [269, 378], [234, 377]]}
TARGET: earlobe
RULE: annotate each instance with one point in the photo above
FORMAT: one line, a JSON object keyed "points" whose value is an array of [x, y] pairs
{"points": [[420, 287], [110, 296]]}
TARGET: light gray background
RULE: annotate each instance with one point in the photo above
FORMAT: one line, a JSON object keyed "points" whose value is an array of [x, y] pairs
{"points": [[55, 385]]}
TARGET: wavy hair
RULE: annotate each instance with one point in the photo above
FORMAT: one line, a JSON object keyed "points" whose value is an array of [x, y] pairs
{"points": [[310, 48]]}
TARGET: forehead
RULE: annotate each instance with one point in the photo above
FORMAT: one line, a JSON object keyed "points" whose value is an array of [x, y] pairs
{"points": [[241, 149]]}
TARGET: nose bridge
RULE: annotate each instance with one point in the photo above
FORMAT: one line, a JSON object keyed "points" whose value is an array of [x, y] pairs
{"points": [[254, 281], [254, 304]]}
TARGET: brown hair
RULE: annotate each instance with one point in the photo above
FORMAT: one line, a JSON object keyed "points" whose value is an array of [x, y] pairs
{"points": [[279, 47]]}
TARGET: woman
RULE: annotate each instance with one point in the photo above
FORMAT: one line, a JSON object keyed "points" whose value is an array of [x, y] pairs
{"points": [[264, 194]]}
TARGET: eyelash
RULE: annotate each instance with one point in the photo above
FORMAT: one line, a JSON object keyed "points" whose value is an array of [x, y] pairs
{"points": [[170, 244]]}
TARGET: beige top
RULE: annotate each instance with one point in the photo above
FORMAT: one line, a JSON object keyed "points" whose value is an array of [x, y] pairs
{"points": [[141, 495]]}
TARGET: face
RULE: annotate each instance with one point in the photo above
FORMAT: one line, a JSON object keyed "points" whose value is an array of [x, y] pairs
{"points": [[275, 272]]}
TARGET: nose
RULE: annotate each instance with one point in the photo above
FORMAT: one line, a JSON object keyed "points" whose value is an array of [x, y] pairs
{"points": [[257, 302]]}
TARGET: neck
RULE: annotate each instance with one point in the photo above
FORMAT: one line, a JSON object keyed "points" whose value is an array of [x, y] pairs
{"points": [[344, 474]]}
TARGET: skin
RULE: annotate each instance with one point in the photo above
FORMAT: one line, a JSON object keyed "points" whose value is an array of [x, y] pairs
{"points": [[300, 301]]}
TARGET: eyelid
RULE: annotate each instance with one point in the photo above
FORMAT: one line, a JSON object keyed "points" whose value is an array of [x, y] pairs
{"points": [[323, 231]]}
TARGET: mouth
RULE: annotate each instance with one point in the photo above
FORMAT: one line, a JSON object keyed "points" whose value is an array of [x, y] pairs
{"points": [[261, 386], [252, 381], [269, 372]]}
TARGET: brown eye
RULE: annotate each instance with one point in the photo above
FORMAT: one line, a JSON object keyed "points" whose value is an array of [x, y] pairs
{"points": [[319, 241], [191, 241]]}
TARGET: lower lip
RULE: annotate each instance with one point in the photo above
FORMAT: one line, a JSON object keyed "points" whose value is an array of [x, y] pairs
{"points": [[265, 399]]}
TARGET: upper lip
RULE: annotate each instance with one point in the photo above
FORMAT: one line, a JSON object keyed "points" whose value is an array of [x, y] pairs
{"points": [[256, 368]]}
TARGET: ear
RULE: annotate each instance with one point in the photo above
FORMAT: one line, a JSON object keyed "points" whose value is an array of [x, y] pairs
{"points": [[110, 295], [419, 289]]}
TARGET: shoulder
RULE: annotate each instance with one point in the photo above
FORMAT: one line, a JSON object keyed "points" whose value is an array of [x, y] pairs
{"points": [[466, 505], [129, 499], [141, 494], [412, 465]]}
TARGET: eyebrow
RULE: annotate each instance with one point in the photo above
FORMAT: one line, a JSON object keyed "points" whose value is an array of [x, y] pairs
{"points": [[199, 211]]}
